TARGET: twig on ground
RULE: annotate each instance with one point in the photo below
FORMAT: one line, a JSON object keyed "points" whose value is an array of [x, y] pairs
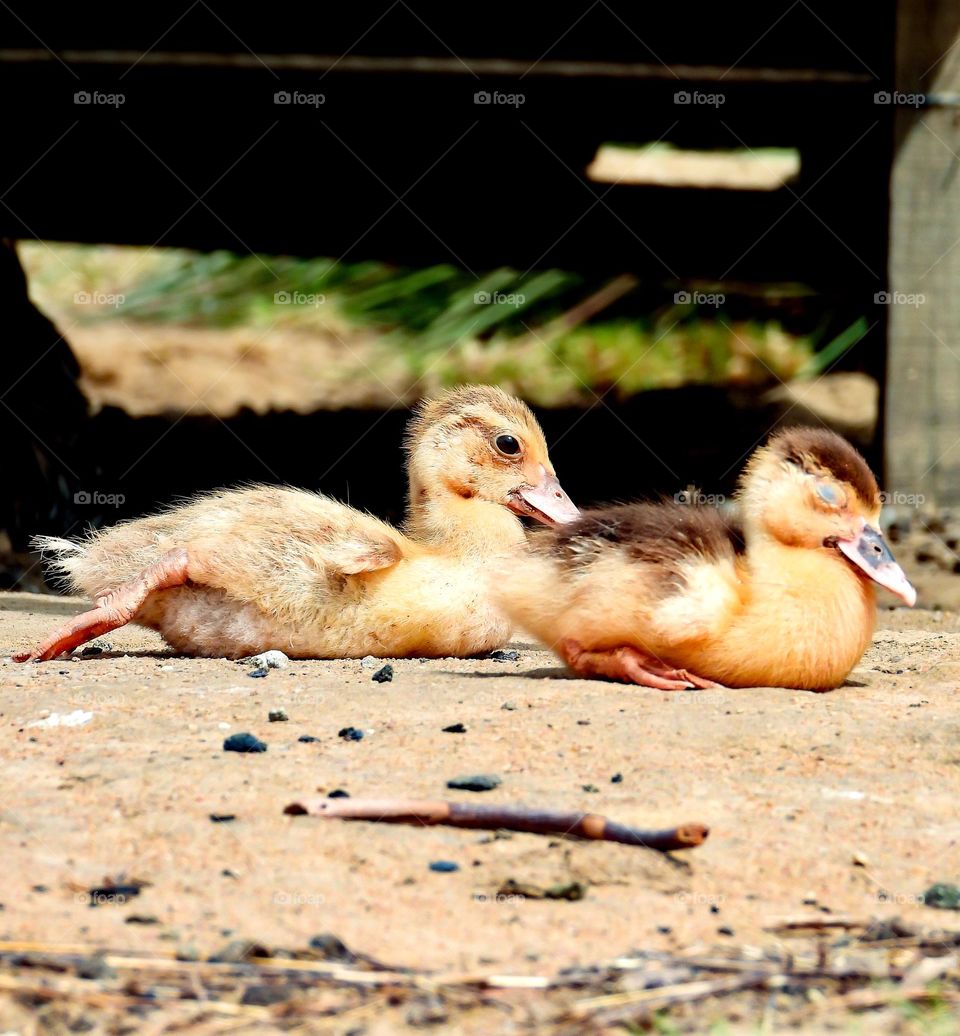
{"points": [[501, 817]]}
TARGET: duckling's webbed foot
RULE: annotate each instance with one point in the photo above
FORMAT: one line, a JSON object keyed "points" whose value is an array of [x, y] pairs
{"points": [[113, 609], [631, 666]]}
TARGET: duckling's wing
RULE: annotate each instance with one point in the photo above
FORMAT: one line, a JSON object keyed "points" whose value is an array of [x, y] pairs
{"points": [[645, 573], [676, 564], [362, 552]]}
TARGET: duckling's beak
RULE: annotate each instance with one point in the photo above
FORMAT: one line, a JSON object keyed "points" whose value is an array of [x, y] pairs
{"points": [[869, 552], [546, 501]]}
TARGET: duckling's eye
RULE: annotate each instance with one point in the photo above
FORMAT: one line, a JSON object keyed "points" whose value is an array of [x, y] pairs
{"points": [[828, 494], [507, 445]]}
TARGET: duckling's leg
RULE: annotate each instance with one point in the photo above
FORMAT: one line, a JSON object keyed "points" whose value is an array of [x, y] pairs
{"points": [[630, 665], [113, 609]]}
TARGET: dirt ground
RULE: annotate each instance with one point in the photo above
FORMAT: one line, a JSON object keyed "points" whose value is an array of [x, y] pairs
{"points": [[842, 803]]}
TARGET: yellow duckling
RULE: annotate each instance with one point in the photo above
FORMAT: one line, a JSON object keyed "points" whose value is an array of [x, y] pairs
{"points": [[674, 597], [239, 571]]}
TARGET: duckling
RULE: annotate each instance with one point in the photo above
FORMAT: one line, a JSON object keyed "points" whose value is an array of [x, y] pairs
{"points": [[675, 597], [235, 572]]}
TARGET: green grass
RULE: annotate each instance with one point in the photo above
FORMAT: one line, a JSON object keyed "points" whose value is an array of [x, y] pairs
{"points": [[508, 327]]}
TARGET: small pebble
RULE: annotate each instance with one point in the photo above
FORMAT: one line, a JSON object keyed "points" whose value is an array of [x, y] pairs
{"points": [[505, 656], [243, 743], [112, 894], [592, 788], [725, 929], [141, 919], [277, 716], [258, 674], [96, 649], [617, 778], [384, 675], [455, 728], [861, 860], [509, 706], [444, 866], [266, 660], [307, 739], [350, 734], [475, 782], [369, 662], [338, 793], [238, 951], [664, 929], [222, 818]]}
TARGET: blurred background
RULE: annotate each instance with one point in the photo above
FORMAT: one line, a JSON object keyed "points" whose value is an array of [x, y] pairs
{"points": [[239, 248]]}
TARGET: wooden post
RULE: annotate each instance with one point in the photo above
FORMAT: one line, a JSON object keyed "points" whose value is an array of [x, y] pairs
{"points": [[923, 372]]}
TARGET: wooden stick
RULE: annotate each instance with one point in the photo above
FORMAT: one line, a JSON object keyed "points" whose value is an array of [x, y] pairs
{"points": [[615, 1008], [500, 817]]}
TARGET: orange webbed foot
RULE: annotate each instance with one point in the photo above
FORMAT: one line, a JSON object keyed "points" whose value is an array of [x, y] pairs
{"points": [[630, 665], [114, 608]]}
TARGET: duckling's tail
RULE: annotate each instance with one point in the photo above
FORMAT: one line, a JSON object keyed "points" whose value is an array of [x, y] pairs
{"points": [[63, 558]]}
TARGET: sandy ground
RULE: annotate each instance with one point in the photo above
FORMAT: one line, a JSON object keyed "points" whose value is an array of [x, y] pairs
{"points": [[843, 802]]}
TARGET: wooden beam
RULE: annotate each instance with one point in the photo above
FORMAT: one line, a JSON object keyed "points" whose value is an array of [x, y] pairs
{"points": [[923, 371]]}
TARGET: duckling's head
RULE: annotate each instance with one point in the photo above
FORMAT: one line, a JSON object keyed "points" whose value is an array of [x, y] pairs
{"points": [[808, 487], [478, 443]]}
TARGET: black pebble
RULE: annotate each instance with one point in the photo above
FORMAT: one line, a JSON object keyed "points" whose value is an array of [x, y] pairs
{"points": [[617, 778], [664, 929], [264, 995], [455, 728], [384, 675], [444, 866], [243, 743], [222, 818], [307, 739], [113, 895], [725, 930], [505, 656], [475, 782], [330, 947], [258, 673], [238, 951], [590, 787], [350, 734], [338, 793]]}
